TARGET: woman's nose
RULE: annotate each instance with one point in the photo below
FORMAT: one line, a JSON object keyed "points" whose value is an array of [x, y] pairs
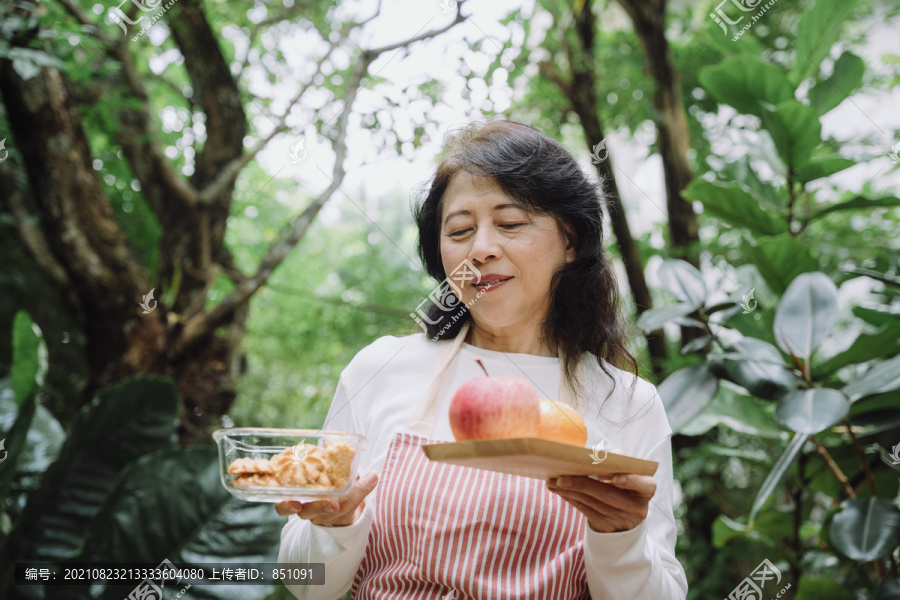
{"points": [[486, 244]]}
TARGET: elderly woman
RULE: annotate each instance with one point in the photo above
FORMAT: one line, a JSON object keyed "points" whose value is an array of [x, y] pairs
{"points": [[511, 204]]}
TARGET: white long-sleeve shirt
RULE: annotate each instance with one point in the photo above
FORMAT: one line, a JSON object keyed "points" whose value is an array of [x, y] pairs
{"points": [[376, 396]]}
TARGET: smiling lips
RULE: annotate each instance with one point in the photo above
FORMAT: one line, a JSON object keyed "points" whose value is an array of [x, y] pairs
{"points": [[490, 281]]}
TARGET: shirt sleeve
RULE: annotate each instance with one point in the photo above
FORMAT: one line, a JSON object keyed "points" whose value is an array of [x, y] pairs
{"points": [[340, 548], [640, 564]]}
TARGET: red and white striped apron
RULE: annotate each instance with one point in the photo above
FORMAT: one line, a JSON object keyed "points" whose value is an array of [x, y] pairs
{"points": [[447, 531]]}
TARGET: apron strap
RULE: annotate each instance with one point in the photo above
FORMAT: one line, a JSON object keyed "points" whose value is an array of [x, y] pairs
{"points": [[422, 421]]}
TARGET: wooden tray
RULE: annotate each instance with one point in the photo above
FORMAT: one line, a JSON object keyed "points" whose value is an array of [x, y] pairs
{"points": [[534, 457]]}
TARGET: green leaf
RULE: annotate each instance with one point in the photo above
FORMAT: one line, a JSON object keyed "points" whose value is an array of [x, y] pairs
{"points": [[172, 504], [683, 281], [875, 421], [759, 368], [806, 314], [846, 79], [725, 529], [12, 445], [868, 346], [866, 529], [736, 411], [747, 83], [768, 195], [858, 203], [812, 411], [818, 30], [686, 392], [888, 589], [883, 377], [732, 204], [777, 474], [125, 421], [877, 316], [29, 362], [796, 131], [780, 259], [823, 166], [654, 318]]}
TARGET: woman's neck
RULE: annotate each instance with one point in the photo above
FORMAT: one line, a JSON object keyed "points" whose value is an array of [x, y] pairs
{"points": [[521, 340]]}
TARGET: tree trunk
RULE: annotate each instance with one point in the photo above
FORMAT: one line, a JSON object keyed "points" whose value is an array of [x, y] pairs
{"points": [[81, 231], [581, 92], [84, 250], [649, 17]]}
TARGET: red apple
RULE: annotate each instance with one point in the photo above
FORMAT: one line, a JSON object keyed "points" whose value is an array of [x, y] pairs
{"points": [[490, 408]]}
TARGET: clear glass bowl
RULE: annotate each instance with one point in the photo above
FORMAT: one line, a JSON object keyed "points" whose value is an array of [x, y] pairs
{"points": [[262, 443]]}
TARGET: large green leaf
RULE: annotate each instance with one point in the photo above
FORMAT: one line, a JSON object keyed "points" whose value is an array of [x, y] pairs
{"points": [[818, 30], [823, 166], [124, 422], [747, 83], [686, 392], [654, 318], [29, 360], [683, 281], [811, 411], [780, 259], [866, 529], [777, 474], [888, 589], [732, 204], [877, 316], [796, 131], [767, 194], [736, 411], [845, 79], [171, 504], [868, 346], [858, 203], [883, 377], [758, 367], [12, 444], [873, 422], [806, 314]]}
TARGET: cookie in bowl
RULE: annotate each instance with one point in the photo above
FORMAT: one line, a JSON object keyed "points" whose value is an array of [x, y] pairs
{"points": [[270, 465]]}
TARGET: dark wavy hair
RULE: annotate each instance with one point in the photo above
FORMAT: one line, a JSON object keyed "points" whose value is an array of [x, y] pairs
{"points": [[541, 177]]}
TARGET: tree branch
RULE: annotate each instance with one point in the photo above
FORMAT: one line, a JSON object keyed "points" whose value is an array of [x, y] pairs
{"points": [[199, 326]]}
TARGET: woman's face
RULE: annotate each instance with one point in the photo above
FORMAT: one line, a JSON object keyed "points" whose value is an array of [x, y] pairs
{"points": [[482, 224]]}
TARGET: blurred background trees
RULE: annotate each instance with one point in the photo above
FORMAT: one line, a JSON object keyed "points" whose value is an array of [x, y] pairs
{"points": [[252, 165]]}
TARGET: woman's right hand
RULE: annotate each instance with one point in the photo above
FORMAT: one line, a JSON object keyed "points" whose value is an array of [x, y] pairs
{"points": [[344, 510]]}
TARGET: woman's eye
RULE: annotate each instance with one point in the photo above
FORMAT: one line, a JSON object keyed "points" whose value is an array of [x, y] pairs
{"points": [[458, 233], [511, 225]]}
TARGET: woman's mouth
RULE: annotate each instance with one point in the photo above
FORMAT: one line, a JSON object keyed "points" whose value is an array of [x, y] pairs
{"points": [[490, 282]]}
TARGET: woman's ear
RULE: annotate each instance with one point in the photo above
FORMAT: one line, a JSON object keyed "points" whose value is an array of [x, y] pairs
{"points": [[571, 245]]}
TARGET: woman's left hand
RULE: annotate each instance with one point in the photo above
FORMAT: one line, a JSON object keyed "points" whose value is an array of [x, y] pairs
{"points": [[610, 504]]}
